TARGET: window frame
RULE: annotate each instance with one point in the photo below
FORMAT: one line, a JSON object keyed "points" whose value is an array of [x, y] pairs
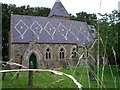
{"points": [[61, 53], [74, 53], [48, 55]]}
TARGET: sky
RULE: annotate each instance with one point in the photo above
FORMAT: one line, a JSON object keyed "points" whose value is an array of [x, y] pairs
{"points": [[72, 6]]}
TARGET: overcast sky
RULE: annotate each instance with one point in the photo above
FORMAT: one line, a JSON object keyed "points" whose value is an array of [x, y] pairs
{"points": [[72, 6]]}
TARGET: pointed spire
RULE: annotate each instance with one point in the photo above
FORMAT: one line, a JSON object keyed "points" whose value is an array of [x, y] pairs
{"points": [[58, 10], [57, 0]]}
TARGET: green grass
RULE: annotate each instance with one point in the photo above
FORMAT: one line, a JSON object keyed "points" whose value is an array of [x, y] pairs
{"points": [[49, 80]]}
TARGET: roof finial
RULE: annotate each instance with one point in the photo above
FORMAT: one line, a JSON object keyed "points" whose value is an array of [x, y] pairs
{"points": [[33, 37], [57, 0]]}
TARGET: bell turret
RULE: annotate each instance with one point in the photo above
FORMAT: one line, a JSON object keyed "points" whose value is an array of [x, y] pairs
{"points": [[59, 11]]}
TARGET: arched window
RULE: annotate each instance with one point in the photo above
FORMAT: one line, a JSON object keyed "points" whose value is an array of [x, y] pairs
{"points": [[61, 53], [48, 53], [74, 53]]}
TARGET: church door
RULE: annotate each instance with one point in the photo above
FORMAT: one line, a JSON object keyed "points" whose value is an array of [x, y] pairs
{"points": [[33, 61]]}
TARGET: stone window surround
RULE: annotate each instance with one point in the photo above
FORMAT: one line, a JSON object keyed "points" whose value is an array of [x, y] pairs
{"points": [[72, 51], [48, 53], [51, 52], [59, 52]]}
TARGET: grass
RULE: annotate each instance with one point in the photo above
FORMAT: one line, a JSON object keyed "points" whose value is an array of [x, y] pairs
{"points": [[50, 80]]}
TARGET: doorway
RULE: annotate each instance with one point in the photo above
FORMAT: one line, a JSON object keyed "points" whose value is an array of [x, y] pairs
{"points": [[33, 61]]}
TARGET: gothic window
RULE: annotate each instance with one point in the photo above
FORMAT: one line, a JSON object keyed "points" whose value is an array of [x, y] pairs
{"points": [[62, 53], [74, 54], [48, 53]]}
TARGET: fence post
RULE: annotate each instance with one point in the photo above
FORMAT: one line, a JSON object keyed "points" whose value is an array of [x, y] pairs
{"points": [[30, 79], [30, 76]]}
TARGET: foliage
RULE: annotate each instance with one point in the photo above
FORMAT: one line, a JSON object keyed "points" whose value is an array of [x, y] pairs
{"points": [[50, 80], [84, 17], [109, 36]]}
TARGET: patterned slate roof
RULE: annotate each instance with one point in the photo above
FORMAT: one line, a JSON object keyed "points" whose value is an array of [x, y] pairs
{"points": [[58, 10], [49, 30]]}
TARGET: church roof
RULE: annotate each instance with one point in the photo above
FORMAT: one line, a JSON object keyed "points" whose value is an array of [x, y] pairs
{"points": [[48, 30], [58, 10]]}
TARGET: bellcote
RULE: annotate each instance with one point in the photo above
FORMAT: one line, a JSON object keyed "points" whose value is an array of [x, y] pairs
{"points": [[58, 11]]}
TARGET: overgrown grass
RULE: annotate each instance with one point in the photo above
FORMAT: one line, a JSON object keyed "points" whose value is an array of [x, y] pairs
{"points": [[50, 80]]}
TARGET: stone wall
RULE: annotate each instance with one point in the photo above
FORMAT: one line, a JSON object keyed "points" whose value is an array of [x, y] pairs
{"points": [[18, 51]]}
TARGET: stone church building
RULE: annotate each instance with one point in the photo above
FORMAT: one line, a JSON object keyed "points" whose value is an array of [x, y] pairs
{"points": [[48, 42]]}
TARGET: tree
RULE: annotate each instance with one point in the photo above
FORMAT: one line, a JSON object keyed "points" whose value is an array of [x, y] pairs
{"points": [[7, 10], [109, 35], [84, 17]]}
